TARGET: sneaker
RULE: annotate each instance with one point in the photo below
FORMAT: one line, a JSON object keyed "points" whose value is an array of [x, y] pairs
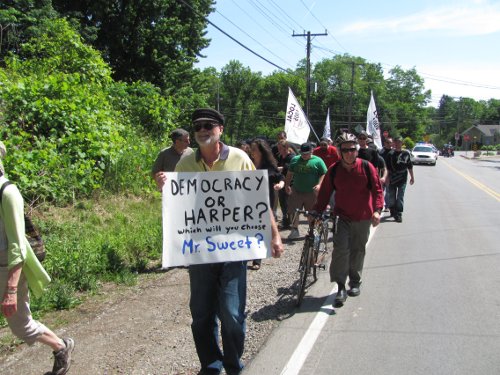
{"points": [[62, 358], [294, 234]]}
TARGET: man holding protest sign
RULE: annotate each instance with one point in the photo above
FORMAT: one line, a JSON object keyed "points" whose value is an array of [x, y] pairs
{"points": [[218, 290]]}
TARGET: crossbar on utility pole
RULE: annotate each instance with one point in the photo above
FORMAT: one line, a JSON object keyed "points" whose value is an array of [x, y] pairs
{"points": [[308, 67]]}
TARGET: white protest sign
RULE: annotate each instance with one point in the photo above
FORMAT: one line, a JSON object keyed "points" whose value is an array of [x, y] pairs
{"points": [[212, 217]]}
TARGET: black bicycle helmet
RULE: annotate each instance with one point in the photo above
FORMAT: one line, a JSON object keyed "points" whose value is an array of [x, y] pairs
{"points": [[346, 138]]}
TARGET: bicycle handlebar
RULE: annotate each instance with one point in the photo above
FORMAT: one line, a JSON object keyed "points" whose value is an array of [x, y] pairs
{"points": [[316, 215]]}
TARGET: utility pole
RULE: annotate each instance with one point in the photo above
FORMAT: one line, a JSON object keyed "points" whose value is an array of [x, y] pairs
{"points": [[350, 95], [308, 67], [353, 65]]}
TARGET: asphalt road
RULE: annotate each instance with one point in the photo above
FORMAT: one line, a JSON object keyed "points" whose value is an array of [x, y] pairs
{"points": [[430, 298]]}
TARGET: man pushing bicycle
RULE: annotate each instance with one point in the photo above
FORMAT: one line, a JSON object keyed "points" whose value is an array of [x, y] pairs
{"points": [[358, 203]]}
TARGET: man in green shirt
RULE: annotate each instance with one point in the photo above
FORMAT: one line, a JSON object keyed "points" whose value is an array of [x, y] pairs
{"points": [[307, 172]]}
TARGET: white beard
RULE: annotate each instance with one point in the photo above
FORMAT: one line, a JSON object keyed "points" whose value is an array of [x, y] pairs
{"points": [[203, 142]]}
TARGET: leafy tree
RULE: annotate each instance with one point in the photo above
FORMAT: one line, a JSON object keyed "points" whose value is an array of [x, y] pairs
{"points": [[335, 77], [491, 112], [273, 96], [239, 89], [469, 112], [21, 20], [150, 40], [405, 102], [447, 114]]}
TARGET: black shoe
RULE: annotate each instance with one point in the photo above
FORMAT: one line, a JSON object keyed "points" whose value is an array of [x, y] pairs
{"points": [[399, 219], [284, 225], [340, 298], [354, 291]]}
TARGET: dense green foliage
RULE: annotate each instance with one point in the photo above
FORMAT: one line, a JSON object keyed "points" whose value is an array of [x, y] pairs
{"points": [[58, 124]]}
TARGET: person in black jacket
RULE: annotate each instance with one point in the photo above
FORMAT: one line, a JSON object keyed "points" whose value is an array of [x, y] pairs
{"points": [[365, 152], [399, 166], [262, 157], [286, 154]]}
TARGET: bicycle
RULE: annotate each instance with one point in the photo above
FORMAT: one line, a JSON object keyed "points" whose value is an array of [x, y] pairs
{"points": [[315, 248]]}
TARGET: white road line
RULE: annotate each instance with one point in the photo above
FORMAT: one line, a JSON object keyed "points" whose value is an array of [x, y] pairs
{"points": [[305, 346]]}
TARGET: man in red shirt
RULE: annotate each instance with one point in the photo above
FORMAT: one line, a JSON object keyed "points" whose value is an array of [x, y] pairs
{"points": [[358, 203], [326, 152]]}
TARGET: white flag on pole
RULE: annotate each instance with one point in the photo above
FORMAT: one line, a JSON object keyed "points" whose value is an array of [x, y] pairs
{"points": [[372, 124], [296, 123], [326, 132]]}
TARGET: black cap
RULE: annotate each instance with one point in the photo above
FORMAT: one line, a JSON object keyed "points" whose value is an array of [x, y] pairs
{"points": [[305, 148], [207, 114], [363, 134]]}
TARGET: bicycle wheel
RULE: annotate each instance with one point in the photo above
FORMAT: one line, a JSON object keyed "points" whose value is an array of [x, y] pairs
{"points": [[320, 247], [304, 269]]}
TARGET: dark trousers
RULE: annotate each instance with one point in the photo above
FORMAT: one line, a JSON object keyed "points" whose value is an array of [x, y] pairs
{"points": [[283, 199], [395, 196]]}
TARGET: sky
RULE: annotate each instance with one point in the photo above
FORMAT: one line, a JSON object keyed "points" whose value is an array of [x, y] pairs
{"points": [[453, 44]]}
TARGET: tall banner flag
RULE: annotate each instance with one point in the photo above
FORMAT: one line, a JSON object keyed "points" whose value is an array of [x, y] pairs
{"points": [[326, 132], [297, 126], [372, 123]]}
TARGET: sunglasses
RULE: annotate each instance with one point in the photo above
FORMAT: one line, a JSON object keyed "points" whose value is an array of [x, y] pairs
{"points": [[204, 125], [346, 150]]}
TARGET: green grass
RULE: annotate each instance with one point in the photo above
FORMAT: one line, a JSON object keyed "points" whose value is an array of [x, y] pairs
{"points": [[111, 238]]}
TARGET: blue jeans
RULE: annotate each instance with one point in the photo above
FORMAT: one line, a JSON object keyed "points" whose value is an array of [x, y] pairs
{"points": [[395, 196], [218, 290]]}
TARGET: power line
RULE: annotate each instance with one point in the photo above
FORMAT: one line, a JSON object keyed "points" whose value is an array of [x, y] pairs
{"points": [[324, 27], [281, 10], [267, 14], [234, 39], [256, 41]]}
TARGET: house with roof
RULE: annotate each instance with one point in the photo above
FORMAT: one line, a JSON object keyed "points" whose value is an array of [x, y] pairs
{"points": [[483, 135]]}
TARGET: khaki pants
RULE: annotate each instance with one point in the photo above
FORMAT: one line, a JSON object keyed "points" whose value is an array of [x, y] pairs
{"points": [[349, 248], [21, 323], [298, 200]]}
